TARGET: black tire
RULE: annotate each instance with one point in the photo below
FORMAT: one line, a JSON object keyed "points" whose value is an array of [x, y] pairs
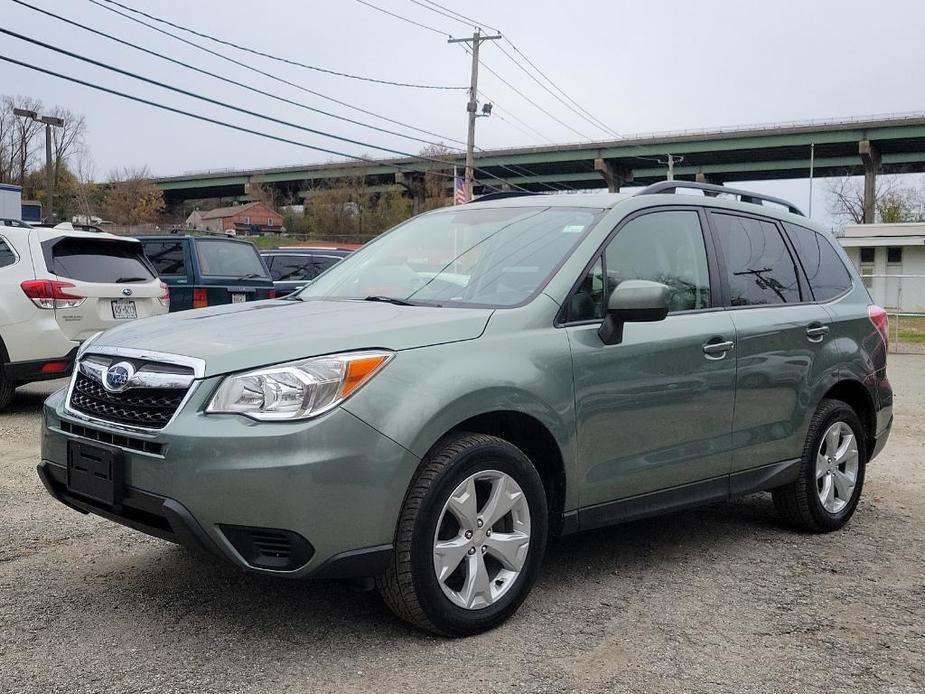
{"points": [[410, 586], [7, 390], [798, 502]]}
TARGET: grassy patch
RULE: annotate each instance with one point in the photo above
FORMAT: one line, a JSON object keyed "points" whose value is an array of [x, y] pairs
{"points": [[911, 328]]}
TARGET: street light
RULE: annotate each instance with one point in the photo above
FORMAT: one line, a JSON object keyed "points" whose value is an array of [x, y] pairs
{"points": [[49, 123]]}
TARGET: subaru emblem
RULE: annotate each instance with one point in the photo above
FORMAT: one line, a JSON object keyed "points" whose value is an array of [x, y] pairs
{"points": [[127, 291], [118, 376]]}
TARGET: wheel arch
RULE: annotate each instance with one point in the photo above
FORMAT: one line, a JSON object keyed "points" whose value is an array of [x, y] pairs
{"points": [[536, 441], [858, 396]]}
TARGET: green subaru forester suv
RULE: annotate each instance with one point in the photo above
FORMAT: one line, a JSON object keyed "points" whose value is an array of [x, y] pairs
{"points": [[429, 411]]}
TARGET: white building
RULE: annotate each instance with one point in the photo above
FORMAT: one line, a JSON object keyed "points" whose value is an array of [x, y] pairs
{"points": [[891, 260]]}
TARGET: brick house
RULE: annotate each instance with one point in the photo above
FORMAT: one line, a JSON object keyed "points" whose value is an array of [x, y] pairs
{"points": [[251, 218]]}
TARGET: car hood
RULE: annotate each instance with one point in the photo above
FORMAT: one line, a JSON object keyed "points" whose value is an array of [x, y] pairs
{"points": [[242, 336]]}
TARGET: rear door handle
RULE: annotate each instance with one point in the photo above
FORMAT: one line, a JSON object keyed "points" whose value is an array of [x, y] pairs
{"points": [[717, 350], [816, 332]]}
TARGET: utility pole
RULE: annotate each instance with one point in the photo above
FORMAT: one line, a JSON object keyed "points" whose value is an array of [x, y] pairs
{"points": [[812, 161], [473, 105], [50, 122], [670, 167]]}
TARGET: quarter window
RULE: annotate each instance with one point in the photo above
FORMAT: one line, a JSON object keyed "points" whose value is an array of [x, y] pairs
{"points": [[664, 247], [824, 269], [759, 268], [7, 257], [166, 256]]}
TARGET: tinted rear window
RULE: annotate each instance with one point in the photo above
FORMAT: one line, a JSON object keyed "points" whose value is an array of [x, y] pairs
{"points": [[828, 277], [759, 267], [290, 268], [166, 256], [97, 260], [229, 259], [6, 254]]}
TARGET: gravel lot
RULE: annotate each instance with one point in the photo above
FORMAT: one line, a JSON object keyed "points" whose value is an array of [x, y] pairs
{"points": [[721, 599]]}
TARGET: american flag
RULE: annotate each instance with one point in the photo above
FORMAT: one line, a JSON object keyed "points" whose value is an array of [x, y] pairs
{"points": [[459, 189]]}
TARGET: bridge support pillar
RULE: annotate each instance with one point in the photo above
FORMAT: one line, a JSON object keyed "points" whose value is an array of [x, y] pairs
{"points": [[614, 174], [870, 156], [414, 184]]}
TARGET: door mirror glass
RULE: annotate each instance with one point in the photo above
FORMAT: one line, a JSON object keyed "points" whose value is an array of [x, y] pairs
{"points": [[634, 301]]}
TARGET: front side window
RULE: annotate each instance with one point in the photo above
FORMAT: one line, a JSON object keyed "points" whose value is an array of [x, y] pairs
{"points": [[759, 268], [219, 258], [484, 257], [97, 260], [167, 257], [827, 275], [665, 247], [291, 268], [7, 257]]}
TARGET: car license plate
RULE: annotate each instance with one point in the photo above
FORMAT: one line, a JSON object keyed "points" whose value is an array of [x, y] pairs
{"points": [[124, 309], [238, 298], [94, 472]]}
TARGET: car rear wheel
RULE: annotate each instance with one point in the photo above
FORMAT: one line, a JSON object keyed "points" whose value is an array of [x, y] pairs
{"points": [[470, 539], [825, 495]]}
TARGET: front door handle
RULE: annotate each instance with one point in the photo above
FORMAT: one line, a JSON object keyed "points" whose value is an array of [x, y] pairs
{"points": [[717, 350], [816, 332]]}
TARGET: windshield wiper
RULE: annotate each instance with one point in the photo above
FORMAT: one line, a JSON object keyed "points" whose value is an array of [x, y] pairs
{"points": [[389, 300], [123, 280], [249, 276]]}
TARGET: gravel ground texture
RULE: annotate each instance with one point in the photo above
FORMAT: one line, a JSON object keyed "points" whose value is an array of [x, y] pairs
{"points": [[720, 599]]}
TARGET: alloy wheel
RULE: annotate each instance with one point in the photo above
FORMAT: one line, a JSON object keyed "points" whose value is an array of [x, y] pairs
{"points": [[837, 467]]}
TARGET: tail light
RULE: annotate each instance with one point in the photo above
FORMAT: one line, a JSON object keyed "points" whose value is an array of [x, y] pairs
{"points": [[200, 299], [51, 294], [881, 322], [271, 294], [164, 298]]}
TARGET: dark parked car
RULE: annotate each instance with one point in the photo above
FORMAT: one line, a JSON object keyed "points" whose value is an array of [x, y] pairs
{"points": [[293, 268], [208, 271]]}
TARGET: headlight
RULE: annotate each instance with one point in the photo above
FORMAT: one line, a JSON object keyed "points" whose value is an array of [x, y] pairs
{"points": [[299, 389]]}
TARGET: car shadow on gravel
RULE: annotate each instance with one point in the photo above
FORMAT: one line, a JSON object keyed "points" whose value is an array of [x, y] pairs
{"points": [[28, 400], [170, 584]]}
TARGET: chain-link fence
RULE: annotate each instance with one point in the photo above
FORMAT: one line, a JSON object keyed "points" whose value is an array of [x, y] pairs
{"points": [[903, 296]]}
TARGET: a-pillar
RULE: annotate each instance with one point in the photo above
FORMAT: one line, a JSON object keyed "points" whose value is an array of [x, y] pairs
{"points": [[614, 174], [414, 184], [870, 156]]}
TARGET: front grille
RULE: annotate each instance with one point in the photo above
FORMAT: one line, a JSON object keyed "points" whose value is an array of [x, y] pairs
{"points": [[129, 442], [151, 408]]}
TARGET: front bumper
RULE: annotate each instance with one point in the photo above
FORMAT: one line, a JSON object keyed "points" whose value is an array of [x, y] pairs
{"points": [[334, 481]]}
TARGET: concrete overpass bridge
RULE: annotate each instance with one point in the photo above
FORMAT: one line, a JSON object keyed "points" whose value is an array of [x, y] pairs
{"points": [[859, 146]]}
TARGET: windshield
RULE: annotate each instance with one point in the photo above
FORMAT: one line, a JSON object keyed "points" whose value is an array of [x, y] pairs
{"points": [[220, 258], [470, 257]]}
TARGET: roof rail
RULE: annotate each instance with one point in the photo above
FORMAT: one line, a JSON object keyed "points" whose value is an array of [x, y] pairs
{"points": [[502, 194], [744, 195]]}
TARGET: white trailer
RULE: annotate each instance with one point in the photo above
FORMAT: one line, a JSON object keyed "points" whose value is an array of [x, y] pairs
{"points": [[10, 201]]}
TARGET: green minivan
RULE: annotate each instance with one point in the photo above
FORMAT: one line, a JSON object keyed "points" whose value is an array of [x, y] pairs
{"points": [[430, 410]]}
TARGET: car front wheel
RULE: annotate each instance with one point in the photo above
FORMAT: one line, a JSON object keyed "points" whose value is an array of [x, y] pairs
{"points": [[470, 539]]}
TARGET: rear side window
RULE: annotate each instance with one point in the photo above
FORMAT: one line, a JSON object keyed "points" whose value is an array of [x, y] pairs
{"points": [[323, 262], [97, 260], [291, 268], [828, 277], [166, 256], [759, 268], [229, 259], [7, 257]]}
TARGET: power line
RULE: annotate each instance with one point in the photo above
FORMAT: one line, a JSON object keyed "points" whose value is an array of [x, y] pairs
{"points": [[274, 77], [277, 58], [570, 107], [214, 121], [600, 123], [459, 17], [230, 106], [404, 19], [221, 77]]}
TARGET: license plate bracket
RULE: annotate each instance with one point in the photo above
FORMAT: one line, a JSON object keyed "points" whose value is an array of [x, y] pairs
{"points": [[124, 309], [96, 473]]}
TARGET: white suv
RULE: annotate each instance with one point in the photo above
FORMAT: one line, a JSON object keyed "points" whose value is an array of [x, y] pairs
{"points": [[58, 287]]}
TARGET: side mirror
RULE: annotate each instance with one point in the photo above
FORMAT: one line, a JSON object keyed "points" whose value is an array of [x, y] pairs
{"points": [[633, 301]]}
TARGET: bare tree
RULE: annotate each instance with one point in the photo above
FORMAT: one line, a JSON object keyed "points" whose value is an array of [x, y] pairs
{"points": [[131, 197], [24, 134], [894, 203]]}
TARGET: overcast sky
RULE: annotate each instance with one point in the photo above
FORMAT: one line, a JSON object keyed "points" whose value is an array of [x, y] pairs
{"points": [[637, 66]]}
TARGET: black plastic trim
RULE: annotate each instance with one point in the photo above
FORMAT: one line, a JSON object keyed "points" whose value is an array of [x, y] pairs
{"points": [[357, 563], [671, 187], [31, 371]]}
